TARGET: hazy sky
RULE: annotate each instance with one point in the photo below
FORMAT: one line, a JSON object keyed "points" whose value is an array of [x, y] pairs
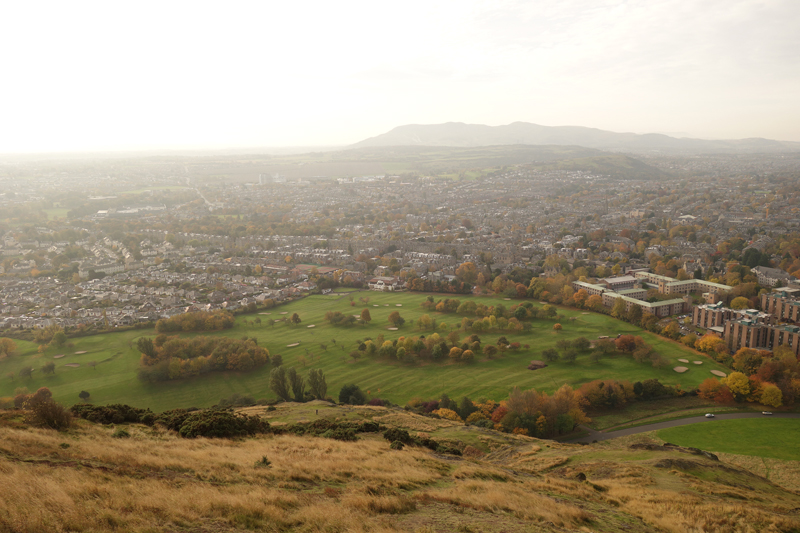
{"points": [[132, 75]]}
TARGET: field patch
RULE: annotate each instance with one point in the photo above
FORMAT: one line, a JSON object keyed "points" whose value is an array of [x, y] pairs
{"points": [[763, 437], [327, 348]]}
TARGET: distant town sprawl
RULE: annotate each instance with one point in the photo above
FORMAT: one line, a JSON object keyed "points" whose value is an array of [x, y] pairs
{"points": [[712, 247]]}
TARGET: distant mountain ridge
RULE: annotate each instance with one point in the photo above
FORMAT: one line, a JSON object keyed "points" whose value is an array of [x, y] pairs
{"points": [[459, 134]]}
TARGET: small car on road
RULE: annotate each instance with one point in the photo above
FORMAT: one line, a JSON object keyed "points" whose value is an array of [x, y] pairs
{"points": [[766, 412], [709, 415]]}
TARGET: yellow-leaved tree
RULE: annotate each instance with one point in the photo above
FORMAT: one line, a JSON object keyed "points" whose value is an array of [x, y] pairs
{"points": [[738, 384], [771, 395], [710, 343]]}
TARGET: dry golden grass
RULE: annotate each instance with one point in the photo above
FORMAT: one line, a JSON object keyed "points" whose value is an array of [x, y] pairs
{"points": [[523, 500], [85, 480], [783, 473], [154, 478], [701, 496], [413, 422], [685, 512]]}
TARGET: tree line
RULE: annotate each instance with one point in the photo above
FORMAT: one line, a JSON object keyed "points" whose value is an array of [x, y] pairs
{"points": [[525, 412], [196, 321], [769, 378], [171, 357]]}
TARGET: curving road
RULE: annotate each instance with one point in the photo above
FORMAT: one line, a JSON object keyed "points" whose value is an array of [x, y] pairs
{"points": [[599, 435]]}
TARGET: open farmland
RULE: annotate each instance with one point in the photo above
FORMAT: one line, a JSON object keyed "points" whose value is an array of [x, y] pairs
{"points": [[114, 378]]}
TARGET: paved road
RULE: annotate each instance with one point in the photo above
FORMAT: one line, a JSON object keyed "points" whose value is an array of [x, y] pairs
{"points": [[599, 435]]}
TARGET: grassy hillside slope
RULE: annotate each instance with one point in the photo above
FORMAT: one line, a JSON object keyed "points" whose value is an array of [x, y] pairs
{"points": [[86, 480]]}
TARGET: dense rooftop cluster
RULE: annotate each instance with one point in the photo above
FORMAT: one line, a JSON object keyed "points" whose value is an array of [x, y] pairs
{"points": [[154, 237]]}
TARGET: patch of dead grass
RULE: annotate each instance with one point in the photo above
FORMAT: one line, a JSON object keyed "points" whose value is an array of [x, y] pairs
{"points": [[85, 480]]}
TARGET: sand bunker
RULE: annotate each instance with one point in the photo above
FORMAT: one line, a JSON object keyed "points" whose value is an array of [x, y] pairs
{"points": [[392, 329], [59, 356], [293, 345], [719, 373], [585, 313], [285, 313], [697, 362], [80, 353], [399, 305], [312, 325], [72, 365], [683, 360], [264, 313], [375, 305], [680, 369]]}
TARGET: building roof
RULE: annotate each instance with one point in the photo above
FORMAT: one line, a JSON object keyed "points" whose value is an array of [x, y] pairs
{"points": [[620, 279]]}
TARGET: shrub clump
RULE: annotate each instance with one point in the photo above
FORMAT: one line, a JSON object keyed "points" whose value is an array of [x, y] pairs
{"points": [[345, 431], [343, 434], [369, 427], [396, 445], [397, 434], [47, 413], [448, 450], [173, 419], [189, 423], [263, 462], [221, 424], [113, 414], [402, 436], [42, 411]]}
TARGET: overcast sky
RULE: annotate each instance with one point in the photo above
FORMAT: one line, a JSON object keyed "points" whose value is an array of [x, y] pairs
{"points": [[136, 75]]}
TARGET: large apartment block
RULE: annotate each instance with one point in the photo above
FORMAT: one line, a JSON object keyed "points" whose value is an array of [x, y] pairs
{"points": [[667, 285], [632, 297], [750, 328], [714, 316], [710, 316], [748, 333], [782, 305]]}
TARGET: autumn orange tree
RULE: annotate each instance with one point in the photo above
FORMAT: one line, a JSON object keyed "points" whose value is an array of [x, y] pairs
{"points": [[595, 302], [365, 316], [711, 343], [748, 360], [543, 415], [396, 320], [7, 346]]}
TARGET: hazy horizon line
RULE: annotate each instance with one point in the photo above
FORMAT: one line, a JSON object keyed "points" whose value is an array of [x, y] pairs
{"points": [[292, 149]]}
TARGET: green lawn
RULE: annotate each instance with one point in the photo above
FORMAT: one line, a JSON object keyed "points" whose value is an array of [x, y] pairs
{"points": [[762, 437], [114, 379], [56, 212]]}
